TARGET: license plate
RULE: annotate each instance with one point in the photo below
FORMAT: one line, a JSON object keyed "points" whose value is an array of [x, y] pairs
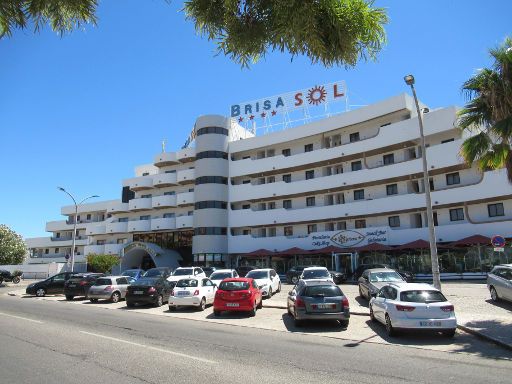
{"points": [[325, 306], [430, 323], [138, 292], [71, 285], [232, 305], [183, 293]]}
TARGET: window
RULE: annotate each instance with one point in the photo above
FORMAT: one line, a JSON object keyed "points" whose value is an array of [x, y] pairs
{"points": [[217, 130], [171, 193], [246, 206], [190, 213], [78, 218], [100, 242], [354, 137], [341, 225], [145, 217], [288, 231], [308, 148], [211, 204], [337, 169], [212, 180], [456, 214], [287, 204], [452, 178], [121, 241], [145, 174], [171, 171], [261, 180], [57, 235], [357, 165], [286, 152], [329, 226], [56, 250], [271, 152], [243, 182], [495, 210], [312, 228], [394, 221], [310, 201], [191, 189], [388, 159], [211, 155], [145, 196], [272, 205], [391, 189], [447, 140], [271, 232], [329, 200], [360, 223], [310, 174], [169, 215], [287, 178], [46, 251], [219, 231], [123, 219], [271, 179], [359, 194], [88, 216], [246, 232]]}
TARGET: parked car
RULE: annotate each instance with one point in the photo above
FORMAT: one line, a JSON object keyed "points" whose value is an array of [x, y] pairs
{"points": [[209, 270], [268, 280], [52, 286], [318, 300], [363, 267], [196, 292], [313, 273], [186, 272], [238, 294], [338, 277], [111, 288], [221, 274], [499, 282], [414, 306], [79, 284], [149, 290], [245, 269], [374, 279], [135, 274], [293, 274], [164, 272]]}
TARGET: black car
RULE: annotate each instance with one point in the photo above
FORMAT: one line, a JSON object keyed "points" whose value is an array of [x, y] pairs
{"points": [[79, 284], [53, 285], [293, 274], [244, 270], [149, 290], [338, 277], [209, 270], [164, 272], [408, 276]]}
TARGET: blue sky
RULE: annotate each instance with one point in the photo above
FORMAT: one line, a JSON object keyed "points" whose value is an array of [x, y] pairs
{"points": [[83, 110]]}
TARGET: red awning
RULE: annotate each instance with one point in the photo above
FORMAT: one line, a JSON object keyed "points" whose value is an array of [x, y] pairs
{"points": [[292, 251], [416, 244], [260, 252], [374, 247], [332, 249], [472, 240]]}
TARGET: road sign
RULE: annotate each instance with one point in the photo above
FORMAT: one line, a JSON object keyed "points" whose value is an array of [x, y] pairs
{"points": [[66, 257], [499, 249], [498, 241]]}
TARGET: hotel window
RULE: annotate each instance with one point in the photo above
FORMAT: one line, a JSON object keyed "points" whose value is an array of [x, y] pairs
{"points": [[78, 218], [329, 226], [123, 219], [287, 178], [310, 201], [357, 165], [329, 200], [271, 232], [360, 224], [388, 159], [246, 206], [341, 225], [286, 152], [88, 216], [337, 169], [359, 194], [495, 210], [56, 250], [394, 221], [246, 232], [354, 137], [391, 189], [171, 193], [340, 198], [145, 217], [171, 171], [312, 228], [271, 179], [143, 197], [46, 251], [169, 215], [288, 231], [453, 178], [261, 180], [100, 242], [272, 205], [121, 241], [271, 152], [310, 174], [57, 235], [308, 148], [456, 214], [246, 181], [145, 174], [287, 204], [191, 189], [447, 140]]}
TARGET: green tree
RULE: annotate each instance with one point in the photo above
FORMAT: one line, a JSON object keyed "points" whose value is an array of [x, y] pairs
{"points": [[488, 113], [102, 263], [332, 32], [12, 247]]}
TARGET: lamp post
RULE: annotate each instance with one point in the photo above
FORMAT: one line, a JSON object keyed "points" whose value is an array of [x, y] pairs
{"points": [[409, 80], [74, 225]]}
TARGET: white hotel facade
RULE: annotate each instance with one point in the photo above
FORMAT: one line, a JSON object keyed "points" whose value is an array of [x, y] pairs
{"points": [[345, 181]]}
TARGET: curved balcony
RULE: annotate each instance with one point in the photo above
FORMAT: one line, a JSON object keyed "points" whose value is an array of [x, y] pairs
{"points": [[163, 223], [139, 225], [186, 154], [113, 249], [118, 207], [165, 159], [139, 183], [140, 204], [165, 201], [96, 230], [117, 227], [186, 176], [184, 222], [162, 180], [98, 249], [185, 198]]}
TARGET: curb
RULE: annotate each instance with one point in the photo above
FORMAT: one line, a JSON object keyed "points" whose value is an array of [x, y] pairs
{"points": [[277, 306], [485, 337]]}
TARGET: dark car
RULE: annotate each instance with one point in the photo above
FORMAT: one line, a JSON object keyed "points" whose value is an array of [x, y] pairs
{"points": [[53, 285], [338, 277], [363, 267], [164, 272], [209, 270], [134, 274], [293, 274], [244, 270], [79, 284], [149, 290]]}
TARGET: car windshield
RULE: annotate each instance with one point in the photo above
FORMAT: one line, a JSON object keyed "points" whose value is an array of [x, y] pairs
{"points": [[186, 283], [234, 285], [183, 272], [153, 273], [145, 282], [103, 281], [220, 275], [422, 296], [131, 273], [322, 291], [315, 274], [258, 274], [385, 276]]}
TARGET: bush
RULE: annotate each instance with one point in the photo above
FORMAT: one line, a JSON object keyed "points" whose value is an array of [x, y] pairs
{"points": [[102, 263], [12, 247]]}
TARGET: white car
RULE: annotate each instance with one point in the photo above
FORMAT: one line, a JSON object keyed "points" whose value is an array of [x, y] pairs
{"points": [[267, 279], [314, 273], [196, 292], [184, 272], [221, 274], [413, 306]]}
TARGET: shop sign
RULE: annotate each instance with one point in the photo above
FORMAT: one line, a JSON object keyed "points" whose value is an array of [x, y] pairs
{"points": [[350, 238]]}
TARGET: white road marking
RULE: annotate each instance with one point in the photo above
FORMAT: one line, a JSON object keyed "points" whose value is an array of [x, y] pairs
{"points": [[150, 347], [22, 318]]}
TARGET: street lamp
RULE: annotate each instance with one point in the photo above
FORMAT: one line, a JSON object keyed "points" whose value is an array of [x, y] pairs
{"points": [[74, 225], [409, 80]]}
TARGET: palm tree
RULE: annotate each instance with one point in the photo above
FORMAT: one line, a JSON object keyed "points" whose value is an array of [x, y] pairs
{"points": [[488, 113]]}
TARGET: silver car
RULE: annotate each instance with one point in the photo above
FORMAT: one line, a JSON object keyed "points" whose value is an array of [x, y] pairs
{"points": [[372, 280], [111, 288], [499, 282]]}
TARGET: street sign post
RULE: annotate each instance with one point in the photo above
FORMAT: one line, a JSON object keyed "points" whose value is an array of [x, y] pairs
{"points": [[498, 241]]}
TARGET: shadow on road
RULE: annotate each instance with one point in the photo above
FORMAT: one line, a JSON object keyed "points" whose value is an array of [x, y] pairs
{"points": [[362, 301], [230, 315], [312, 326], [501, 304]]}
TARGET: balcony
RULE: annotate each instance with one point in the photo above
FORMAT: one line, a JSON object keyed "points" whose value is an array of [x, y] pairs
{"points": [[165, 159], [139, 225], [184, 222], [118, 207], [163, 223], [95, 230], [139, 183], [185, 198], [62, 225], [113, 249], [165, 201], [140, 204], [186, 176], [186, 155], [117, 227], [162, 180], [98, 249]]}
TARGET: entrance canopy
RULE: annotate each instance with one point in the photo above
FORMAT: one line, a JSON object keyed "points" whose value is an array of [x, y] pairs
{"points": [[416, 244], [292, 251], [374, 247], [332, 249]]}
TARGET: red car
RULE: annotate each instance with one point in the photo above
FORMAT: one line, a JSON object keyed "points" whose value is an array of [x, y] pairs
{"points": [[237, 294]]}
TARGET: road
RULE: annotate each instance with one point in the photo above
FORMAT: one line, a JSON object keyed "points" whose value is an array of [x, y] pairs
{"points": [[53, 342]]}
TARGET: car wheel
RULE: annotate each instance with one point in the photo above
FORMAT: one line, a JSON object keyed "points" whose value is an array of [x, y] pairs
{"points": [[69, 297], [40, 292], [15, 280], [202, 304], [159, 301], [450, 333], [115, 297], [93, 300], [372, 315], [1, 280], [279, 288], [389, 327], [269, 292], [344, 323], [216, 313], [494, 295], [260, 304], [172, 308]]}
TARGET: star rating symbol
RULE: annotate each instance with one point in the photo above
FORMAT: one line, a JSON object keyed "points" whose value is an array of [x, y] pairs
{"points": [[241, 119], [274, 113], [251, 117], [263, 114]]}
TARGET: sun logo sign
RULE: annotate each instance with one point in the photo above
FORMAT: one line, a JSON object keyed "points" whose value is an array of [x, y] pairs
{"points": [[316, 95]]}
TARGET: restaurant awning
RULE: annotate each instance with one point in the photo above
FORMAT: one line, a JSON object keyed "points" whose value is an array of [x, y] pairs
{"points": [[374, 247], [259, 252], [331, 249], [416, 244], [292, 251], [472, 240]]}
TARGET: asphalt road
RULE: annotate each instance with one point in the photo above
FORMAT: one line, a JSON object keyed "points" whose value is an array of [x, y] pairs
{"points": [[51, 342]]}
